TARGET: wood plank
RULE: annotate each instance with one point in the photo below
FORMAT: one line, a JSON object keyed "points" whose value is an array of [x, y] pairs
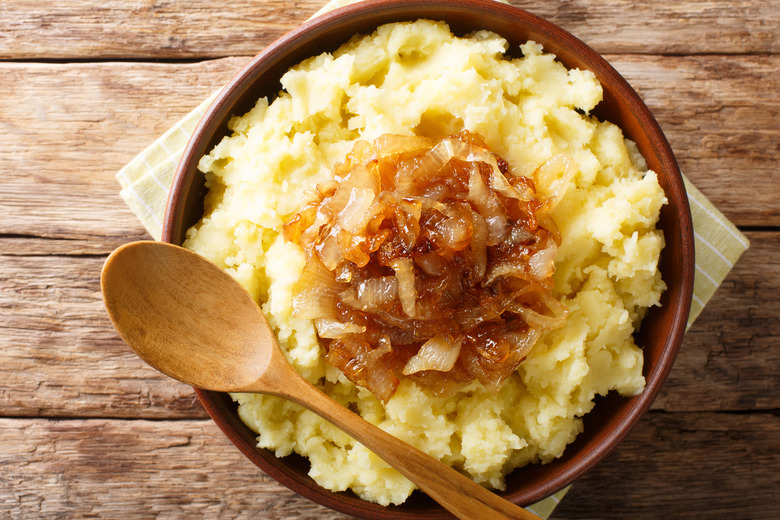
{"points": [[179, 29], [672, 28], [145, 469], [136, 469], [110, 29], [685, 466], [67, 129], [729, 359], [19, 245], [53, 328]]}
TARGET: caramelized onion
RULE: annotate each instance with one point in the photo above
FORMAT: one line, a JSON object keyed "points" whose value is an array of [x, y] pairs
{"points": [[363, 364], [404, 272], [541, 263], [426, 259], [317, 292], [556, 174], [329, 328], [546, 313], [371, 294], [438, 353]]}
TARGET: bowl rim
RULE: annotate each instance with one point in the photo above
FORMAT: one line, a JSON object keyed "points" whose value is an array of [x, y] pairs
{"points": [[219, 110]]}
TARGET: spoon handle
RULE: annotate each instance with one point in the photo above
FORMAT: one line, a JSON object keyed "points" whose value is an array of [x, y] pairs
{"points": [[460, 495]]}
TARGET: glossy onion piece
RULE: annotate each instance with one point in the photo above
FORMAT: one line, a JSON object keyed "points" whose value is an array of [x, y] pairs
{"points": [[428, 260], [438, 353]]}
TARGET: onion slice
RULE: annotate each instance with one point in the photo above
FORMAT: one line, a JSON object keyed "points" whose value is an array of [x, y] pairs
{"points": [[371, 294], [541, 264], [316, 293], [333, 329], [404, 272], [555, 175], [548, 314], [438, 353]]}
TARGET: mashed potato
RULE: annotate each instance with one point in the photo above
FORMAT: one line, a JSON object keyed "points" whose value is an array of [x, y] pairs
{"points": [[417, 78]]}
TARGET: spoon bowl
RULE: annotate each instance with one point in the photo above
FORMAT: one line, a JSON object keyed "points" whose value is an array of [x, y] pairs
{"points": [[145, 283], [190, 320]]}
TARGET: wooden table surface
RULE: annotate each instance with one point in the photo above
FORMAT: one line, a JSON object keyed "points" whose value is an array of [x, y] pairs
{"points": [[87, 430]]}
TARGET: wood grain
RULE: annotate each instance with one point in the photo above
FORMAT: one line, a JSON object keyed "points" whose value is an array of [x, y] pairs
{"points": [[729, 359], [196, 29], [187, 469], [53, 326], [68, 129], [685, 466], [135, 470]]}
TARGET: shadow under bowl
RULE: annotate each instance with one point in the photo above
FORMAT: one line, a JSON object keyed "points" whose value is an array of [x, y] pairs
{"points": [[662, 330]]}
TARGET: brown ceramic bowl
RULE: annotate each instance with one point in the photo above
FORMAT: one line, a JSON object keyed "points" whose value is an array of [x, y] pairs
{"points": [[662, 330]]}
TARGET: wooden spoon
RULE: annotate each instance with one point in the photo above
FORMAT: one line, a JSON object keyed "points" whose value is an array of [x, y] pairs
{"points": [[191, 321]]}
